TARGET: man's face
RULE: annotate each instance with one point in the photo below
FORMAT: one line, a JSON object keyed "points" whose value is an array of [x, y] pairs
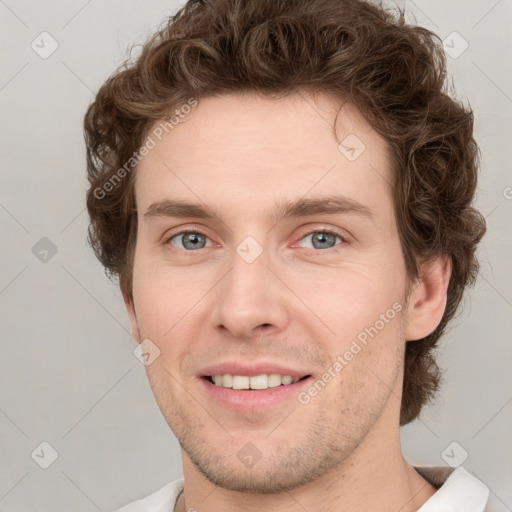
{"points": [[251, 294]]}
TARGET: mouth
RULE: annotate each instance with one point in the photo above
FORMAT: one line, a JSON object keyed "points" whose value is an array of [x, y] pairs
{"points": [[255, 382], [255, 393]]}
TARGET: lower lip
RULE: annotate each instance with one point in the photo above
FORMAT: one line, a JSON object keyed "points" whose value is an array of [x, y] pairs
{"points": [[249, 400]]}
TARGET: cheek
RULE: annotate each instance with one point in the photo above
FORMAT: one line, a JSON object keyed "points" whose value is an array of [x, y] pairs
{"points": [[350, 296], [167, 302], [155, 305]]}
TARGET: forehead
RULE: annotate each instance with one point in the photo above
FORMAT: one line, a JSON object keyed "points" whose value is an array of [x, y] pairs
{"points": [[245, 151]]}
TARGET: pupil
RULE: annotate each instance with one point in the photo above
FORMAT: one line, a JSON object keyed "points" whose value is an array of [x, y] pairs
{"points": [[322, 238], [191, 240]]}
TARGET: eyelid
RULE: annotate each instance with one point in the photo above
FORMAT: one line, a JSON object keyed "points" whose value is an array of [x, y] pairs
{"points": [[185, 228]]}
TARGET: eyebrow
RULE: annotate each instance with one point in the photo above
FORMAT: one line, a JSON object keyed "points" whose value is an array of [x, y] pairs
{"points": [[301, 207]]}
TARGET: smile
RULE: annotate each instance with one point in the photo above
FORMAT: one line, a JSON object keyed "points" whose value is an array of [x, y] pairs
{"points": [[263, 381], [253, 393]]}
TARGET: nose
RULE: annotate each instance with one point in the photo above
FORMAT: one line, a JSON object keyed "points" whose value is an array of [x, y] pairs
{"points": [[251, 300]]}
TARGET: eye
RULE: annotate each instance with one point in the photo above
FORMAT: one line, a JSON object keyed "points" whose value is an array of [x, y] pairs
{"points": [[190, 240], [323, 238]]}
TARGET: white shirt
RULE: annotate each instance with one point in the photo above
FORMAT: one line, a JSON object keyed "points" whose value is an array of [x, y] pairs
{"points": [[460, 491]]}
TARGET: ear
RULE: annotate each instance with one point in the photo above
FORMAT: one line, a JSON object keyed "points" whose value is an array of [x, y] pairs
{"points": [[427, 301], [130, 308]]}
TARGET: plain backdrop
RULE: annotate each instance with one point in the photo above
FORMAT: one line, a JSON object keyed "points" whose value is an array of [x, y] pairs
{"points": [[68, 376]]}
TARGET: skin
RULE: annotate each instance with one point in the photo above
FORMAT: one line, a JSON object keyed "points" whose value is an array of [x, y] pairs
{"points": [[300, 303]]}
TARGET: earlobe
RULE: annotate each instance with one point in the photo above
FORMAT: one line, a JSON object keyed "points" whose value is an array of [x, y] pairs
{"points": [[427, 301], [130, 308]]}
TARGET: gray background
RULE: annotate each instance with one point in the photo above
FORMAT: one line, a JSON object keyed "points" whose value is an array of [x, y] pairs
{"points": [[67, 372]]}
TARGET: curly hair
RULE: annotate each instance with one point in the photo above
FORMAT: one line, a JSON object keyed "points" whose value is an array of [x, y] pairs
{"points": [[394, 72]]}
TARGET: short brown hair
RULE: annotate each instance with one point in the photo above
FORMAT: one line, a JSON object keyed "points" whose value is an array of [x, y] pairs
{"points": [[392, 71]]}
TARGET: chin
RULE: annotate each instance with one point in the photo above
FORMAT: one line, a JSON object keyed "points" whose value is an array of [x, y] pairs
{"points": [[270, 472]]}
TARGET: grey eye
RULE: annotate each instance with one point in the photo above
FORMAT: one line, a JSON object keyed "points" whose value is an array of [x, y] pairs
{"points": [[321, 240], [191, 240]]}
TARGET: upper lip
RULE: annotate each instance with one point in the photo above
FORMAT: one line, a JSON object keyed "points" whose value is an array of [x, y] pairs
{"points": [[251, 370]]}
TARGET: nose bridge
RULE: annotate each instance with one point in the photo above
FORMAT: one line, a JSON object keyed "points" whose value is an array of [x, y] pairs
{"points": [[249, 295]]}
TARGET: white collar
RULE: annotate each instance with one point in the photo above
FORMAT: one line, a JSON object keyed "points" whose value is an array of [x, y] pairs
{"points": [[460, 492]]}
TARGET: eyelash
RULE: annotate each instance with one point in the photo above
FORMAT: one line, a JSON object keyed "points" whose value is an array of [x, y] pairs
{"points": [[321, 230]]}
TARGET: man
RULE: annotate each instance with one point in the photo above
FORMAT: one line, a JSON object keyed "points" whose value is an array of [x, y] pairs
{"points": [[284, 190]]}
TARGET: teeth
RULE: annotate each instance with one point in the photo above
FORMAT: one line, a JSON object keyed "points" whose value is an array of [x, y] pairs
{"points": [[257, 382], [225, 380], [286, 380], [239, 382], [274, 380]]}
